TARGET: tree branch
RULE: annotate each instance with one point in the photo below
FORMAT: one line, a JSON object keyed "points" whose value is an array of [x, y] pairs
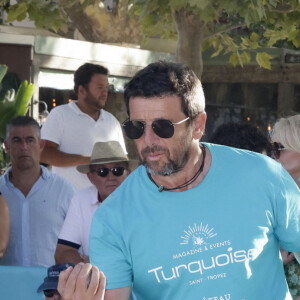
{"points": [[224, 30], [281, 8]]}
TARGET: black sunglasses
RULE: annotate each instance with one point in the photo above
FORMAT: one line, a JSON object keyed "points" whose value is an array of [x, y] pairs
{"points": [[117, 171], [50, 293], [162, 128], [276, 148]]}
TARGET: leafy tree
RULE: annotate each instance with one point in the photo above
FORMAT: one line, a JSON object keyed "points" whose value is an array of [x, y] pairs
{"points": [[239, 27]]}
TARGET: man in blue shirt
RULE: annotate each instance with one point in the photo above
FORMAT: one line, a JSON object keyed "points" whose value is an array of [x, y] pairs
{"points": [[196, 220], [37, 199]]}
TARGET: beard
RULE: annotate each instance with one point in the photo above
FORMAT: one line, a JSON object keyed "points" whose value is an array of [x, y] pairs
{"points": [[171, 166], [92, 100]]}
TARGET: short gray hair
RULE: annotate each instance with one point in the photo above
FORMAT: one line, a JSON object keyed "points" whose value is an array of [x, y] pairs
{"points": [[22, 121]]}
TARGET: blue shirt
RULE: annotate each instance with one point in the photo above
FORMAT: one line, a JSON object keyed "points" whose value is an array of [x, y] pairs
{"points": [[218, 240], [35, 220]]}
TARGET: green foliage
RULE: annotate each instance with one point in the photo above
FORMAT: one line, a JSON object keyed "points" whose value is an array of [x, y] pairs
{"points": [[231, 26], [264, 60], [45, 14], [13, 105], [239, 27]]}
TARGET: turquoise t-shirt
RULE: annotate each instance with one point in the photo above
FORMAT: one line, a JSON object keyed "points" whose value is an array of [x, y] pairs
{"points": [[218, 240]]}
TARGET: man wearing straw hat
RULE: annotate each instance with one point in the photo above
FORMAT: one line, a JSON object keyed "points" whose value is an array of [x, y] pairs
{"points": [[108, 167]]}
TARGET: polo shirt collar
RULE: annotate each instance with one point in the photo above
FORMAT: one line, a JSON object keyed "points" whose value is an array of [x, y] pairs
{"points": [[78, 111], [45, 174], [95, 197]]}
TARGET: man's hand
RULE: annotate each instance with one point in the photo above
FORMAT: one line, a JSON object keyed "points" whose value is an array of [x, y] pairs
{"points": [[74, 283]]}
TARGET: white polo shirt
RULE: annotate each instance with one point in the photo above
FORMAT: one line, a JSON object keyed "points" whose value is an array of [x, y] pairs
{"points": [[76, 228], [76, 132]]}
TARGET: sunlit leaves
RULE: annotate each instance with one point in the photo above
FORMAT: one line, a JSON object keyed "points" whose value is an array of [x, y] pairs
{"points": [[264, 60], [294, 37], [252, 42], [17, 12], [237, 58]]}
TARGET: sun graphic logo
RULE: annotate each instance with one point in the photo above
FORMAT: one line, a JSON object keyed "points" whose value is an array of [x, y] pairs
{"points": [[197, 235]]}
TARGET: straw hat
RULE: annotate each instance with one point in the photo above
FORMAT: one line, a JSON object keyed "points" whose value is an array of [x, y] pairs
{"points": [[106, 153]]}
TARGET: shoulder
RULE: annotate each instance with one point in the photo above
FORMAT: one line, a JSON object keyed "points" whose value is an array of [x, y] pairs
{"points": [[109, 116], [59, 181], [86, 194], [4, 178], [60, 109], [245, 162], [64, 109], [220, 151]]}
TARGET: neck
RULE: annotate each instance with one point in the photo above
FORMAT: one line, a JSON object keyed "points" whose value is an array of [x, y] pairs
{"points": [[24, 179], [89, 110], [190, 176]]}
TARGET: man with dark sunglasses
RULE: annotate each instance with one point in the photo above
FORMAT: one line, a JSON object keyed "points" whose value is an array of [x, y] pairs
{"points": [[108, 168], [197, 220]]}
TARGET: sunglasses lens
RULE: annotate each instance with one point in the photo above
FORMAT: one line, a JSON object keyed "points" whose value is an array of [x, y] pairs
{"points": [[163, 128], [134, 129], [118, 171], [50, 293], [102, 172]]}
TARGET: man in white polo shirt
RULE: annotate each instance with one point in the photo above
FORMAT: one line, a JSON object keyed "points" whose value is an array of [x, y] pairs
{"points": [[71, 130], [108, 168]]}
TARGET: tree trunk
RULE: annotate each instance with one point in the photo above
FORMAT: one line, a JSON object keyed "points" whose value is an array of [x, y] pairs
{"points": [[98, 25], [82, 22], [190, 31]]}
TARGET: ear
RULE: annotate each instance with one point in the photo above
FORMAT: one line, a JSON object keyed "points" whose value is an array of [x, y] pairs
{"points": [[90, 177], [199, 125], [6, 144], [81, 91], [42, 144]]}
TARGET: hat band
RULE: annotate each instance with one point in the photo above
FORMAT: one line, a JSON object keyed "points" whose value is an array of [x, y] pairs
{"points": [[104, 160]]}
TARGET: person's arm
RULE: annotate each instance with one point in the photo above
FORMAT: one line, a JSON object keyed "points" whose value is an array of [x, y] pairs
{"points": [[64, 254], [118, 294], [53, 156], [4, 226]]}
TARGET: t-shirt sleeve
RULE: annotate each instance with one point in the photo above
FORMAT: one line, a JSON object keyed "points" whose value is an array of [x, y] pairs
{"points": [[288, 213], [52, 129], [108, 252], [71, 229]]}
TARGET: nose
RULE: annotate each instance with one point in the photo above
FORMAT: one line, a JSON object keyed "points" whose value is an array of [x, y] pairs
{"points": [[110, 176], [105, 91], [24, 144], [149, 136]]}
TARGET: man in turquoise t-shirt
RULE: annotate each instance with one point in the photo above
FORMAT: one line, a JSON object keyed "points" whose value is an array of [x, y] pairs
{"points": [[196, 221]]}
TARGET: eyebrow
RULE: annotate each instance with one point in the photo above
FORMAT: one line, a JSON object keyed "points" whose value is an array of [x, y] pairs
{"points": [[26, 137]]}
